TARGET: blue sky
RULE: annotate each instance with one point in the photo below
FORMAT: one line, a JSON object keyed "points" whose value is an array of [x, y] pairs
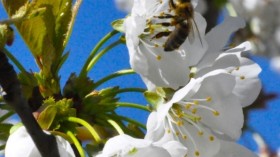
{"points": [[93, 22]]}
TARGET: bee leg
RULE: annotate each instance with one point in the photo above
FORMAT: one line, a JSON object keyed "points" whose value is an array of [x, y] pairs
{"points": [[165, 24], [161, 34], [165, 16], [172, 4]]}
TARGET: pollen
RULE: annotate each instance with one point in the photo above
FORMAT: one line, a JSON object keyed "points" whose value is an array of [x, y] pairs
{"points": [[209, 99], [237, 68], [185, 137], [196, 153], [216, 113], [156, 45], [211, 138], [242, 77], [177, 133], [158, 57], [196, 102]]}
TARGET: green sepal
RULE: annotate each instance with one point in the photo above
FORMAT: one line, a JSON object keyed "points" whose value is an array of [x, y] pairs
{"points": [[15, 127], [154, 99], [118, 25], [77, 86], [54, 112]]}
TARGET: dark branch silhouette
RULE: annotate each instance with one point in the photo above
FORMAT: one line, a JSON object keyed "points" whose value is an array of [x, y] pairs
{"points": [[46, 144]]}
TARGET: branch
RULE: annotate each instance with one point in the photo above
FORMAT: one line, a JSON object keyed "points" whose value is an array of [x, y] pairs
{"points": [[46, 144]]}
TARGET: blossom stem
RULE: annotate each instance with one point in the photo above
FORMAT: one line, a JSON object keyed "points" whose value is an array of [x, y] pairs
{"points": [[115, 125], [111, 76], [14, 60], [140, 90], [86, 125], [83, 72], [129, 120], [131, 105], [100, 54], [2, 147], [76, 143]]}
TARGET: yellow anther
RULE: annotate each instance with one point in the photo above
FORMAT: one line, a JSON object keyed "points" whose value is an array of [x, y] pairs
{"points": [[216, 113], [188, 106], [211, 138], [180, 123], [177, 133], [194, 111], [198, 118], [237, 68], [168, 131], [156, 45], [158, 57], [200, 133], [209, 99], [185, 137], [196, 102], [242, 77], [196, 153]]}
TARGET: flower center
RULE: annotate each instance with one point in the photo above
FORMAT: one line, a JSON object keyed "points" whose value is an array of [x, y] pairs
{"points": [[186, 111]]}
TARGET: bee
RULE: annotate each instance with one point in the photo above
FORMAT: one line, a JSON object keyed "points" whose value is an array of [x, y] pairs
{"points": [[183, 20]]}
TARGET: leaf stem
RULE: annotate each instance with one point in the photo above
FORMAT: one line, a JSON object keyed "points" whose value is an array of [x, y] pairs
{"points": [[111, 76], [83, 72], [86, 125], [5, 116], [76, 143]]}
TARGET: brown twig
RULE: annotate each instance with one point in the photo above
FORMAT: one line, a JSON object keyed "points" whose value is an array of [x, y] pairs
{"points": [[46, 144]]}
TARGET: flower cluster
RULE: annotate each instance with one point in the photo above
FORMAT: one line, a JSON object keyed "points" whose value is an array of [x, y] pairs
{"points": [[265, 31], [199, 89]]}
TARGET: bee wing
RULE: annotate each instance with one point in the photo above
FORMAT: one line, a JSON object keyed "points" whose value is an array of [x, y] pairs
{"points": [[198, 33], [191, 35]]}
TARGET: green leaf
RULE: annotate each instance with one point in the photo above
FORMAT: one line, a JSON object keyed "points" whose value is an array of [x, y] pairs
{"points": [[118, 25], [12, 6]]}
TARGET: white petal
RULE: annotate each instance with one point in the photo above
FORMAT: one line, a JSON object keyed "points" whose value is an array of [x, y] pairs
{"points": [[124, 5], [155, 128], [218, 37], [175, 148], [20, 144], [231, 149], [230, 119], [127, 146]]}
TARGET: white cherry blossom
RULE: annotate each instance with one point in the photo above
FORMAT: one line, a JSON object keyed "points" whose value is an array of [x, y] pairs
{"points": [[127, 146], [20, 144], [199, 111], [147, 55]]}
